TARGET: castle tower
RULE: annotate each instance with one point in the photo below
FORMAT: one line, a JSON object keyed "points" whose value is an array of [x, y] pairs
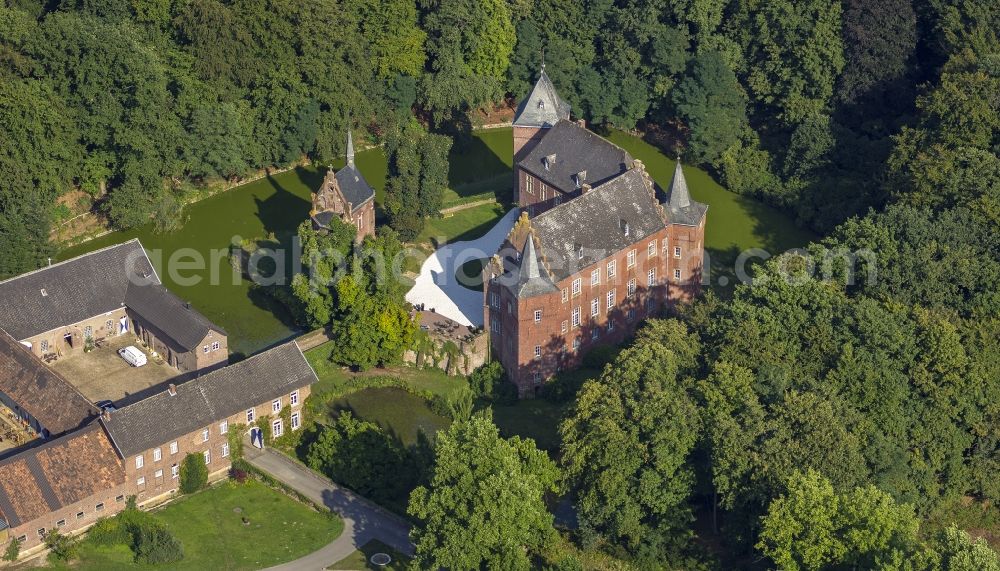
{"points": [[539, 111]]}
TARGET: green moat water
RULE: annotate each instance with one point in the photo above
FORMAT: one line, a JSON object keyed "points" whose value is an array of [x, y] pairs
{"points": [[274, 206]]}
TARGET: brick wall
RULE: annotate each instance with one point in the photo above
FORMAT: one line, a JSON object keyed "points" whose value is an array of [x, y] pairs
{"points": [[560, 343], [364, 221], [525, 139], [54, 342], [536, 195], [154, 479], [178, 357], [74, 518]]}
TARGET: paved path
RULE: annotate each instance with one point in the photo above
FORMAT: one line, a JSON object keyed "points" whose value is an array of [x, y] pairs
{"points": [[437, 288], [363, 520]]}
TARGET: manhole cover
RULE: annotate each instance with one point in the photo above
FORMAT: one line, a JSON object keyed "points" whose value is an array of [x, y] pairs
{"points": [[237, 510], [381, 559]]}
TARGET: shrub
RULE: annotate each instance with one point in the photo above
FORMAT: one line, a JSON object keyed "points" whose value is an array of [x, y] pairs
{"points": [[485, 380], [194, 473], [13, 550], [156, 545], [62, 546], [239, 475], [109, 532], [505, 393]]}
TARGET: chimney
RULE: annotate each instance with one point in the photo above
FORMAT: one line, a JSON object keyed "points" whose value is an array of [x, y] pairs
{"points": [[581, 122], [172, 389], [550, 160], [584, 189], [187, 305], [106, 415], [580, 177]]}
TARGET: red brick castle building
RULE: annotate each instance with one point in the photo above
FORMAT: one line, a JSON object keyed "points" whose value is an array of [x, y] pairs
{"points": [[598, 247]]}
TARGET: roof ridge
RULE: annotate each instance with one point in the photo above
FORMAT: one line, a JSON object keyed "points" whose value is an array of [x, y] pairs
{"points": [[81, 256]]}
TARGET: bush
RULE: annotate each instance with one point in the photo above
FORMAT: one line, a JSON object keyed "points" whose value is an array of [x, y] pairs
{"points": [[109, 532], [156, 545], [62, 546], [239, 475], [485, 380], [194, 473], [505, 393], [13, 550]]}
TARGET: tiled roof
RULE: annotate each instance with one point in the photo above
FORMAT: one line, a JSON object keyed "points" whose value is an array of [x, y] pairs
{"points": [[567, 150], [680, 208], [198, 403], [542, 107], [356, 189], [591, 227], [71, 291], [168, 313], [58, 473], [41, 391]]}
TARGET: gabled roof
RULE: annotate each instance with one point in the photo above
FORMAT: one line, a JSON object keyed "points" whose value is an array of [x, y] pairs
{"points": [[355, 188], [568, 149], [168, 313], [196, 404], [40, 391], [71, 291], [680, 208], [587, 229], [59, 473], [542, 107]]}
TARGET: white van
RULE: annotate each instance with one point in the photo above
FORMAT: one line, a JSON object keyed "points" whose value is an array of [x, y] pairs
{"points": [[133, 356]]}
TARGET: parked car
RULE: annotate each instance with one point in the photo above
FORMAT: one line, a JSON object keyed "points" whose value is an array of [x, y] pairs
{"points": [[133, 356], [106, 405]]}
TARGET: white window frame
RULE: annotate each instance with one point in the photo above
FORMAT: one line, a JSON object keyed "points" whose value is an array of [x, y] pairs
{"points": [[595, 307], [577, 287], [565, 326], [140, 482], [631, 287], [293, 398], [677, 274], [651, 249], [538, 351], [173, 447], [538, 316], [276, 405], [215, 346], [651, 277], [575, 317], [205, 349], [225, 450], [175, 471], [204, 435], [224, 427], [139, 462], [630, 262], [612, 269], [296, 421], [611, 299], [595, 277], [277, 428], [207, 455], [565, 295], [677, 251], [157, 454]]}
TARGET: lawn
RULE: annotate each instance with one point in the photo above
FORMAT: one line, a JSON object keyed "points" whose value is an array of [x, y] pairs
{"points": [[467, 224], [361, 559], [400, 413], [210, 528]]}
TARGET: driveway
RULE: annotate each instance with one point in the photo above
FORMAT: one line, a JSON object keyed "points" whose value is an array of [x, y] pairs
{"points": [[436, 286], [363, 520]]}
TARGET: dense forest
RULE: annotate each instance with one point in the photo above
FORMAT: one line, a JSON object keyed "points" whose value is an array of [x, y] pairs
{"points": [[817, 423]]}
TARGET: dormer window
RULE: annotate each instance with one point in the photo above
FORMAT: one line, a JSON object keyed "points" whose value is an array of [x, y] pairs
{"points": [[541, 104], [44, 293], [579, 252], [580, 177], [624, 227], [549, 161]]}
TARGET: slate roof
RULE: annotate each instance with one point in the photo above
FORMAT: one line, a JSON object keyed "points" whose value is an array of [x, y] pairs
{"points": [[40, 391], [356, 189], [171, 315], [533, 278], [542, 107], [74, 290], [680, 208], [576, 150], [96, 283], [593, 224], [198, 403], [59, 473]]}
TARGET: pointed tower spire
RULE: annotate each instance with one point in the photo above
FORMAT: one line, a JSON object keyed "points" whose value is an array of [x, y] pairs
{"points": [[531, 268], [350, 148], [679, 198]]}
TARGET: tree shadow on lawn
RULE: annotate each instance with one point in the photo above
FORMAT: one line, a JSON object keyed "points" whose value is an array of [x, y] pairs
{"points": [[471, 160]]}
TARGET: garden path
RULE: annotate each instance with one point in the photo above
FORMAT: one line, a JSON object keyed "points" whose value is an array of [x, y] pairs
{"points": [[363, 519]]}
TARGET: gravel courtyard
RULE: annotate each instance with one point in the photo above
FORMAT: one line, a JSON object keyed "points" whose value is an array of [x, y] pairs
{"points": [[103, 374]]}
